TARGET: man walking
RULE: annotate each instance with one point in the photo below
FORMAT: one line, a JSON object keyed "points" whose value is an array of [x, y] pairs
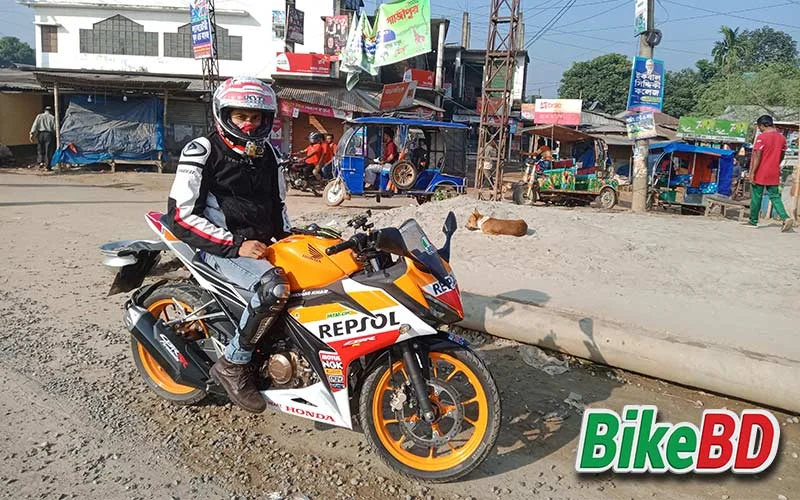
{"points": [[765, 171], [44, 133]]}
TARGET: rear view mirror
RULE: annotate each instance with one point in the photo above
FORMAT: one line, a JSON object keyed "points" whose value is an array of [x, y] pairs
{"points": [[450, 225]]}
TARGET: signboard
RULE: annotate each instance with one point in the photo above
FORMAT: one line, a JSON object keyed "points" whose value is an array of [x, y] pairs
{"points": [[426, 80], [335, 34], [527, 111], [402, 31], [495, 106], [294, 108], [640, 23], [398, 95], [276, 135], [647, 85], [295, 24], [712, 130], [641, 126], [303, 64], [202, 45], [278, 25], [558, 111]]}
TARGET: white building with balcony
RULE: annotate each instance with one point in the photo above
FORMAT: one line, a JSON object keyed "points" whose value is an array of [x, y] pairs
{"points": [[154, 36]]}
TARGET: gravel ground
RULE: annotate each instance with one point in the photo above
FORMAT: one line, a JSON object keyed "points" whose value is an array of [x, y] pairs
{"points": [[79, 422]]}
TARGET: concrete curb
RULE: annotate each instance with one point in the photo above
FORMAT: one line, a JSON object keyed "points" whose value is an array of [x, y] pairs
{"points": [[764, 379]]}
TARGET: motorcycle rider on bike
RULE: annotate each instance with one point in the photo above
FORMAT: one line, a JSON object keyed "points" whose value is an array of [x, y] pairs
{"points": [[314, 154], [227, 202]]}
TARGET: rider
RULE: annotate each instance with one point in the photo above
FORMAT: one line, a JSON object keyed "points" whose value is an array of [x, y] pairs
{"points": [[314, 154], [227, 201], [388, 158]]}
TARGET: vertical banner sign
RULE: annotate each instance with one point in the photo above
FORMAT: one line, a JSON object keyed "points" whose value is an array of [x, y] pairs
{"points": [[278, 25], [202, 46], [647, 85], [641, 126], [295, 25], [335, 35], [640, 23], [402, 31]]}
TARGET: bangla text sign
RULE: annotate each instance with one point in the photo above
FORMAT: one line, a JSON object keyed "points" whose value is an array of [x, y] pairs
{"points": [[202, 45], [303, 64], [558, 111], [398, 95]]}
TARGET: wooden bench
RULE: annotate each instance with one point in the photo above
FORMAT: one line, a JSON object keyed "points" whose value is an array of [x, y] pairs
{"points": [[725, 204]]}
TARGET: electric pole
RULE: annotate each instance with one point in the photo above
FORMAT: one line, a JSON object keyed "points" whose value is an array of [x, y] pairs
{"points": [[642, 148]]}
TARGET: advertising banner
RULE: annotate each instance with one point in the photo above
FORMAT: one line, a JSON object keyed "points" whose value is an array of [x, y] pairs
{"points": [[640, 22], [295, 25], [558, 111], [335, 35], [641, 126], [402, 31], [398, 95], [303, 64], [278, 25], [495, 105], [702, 129], [426, 80], [202, 44], [647, 85]]}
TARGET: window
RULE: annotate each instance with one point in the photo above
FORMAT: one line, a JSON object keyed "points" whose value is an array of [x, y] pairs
{"points": [[49, 38], [119, 35], [180, 44]]}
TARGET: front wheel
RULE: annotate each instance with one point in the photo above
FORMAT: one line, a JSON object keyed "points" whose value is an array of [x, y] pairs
{"points": [[468, 411], [335, 193]]}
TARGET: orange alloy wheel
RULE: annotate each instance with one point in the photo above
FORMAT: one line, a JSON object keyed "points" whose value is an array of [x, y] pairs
{"points": [[160, 309], [451, 443]]}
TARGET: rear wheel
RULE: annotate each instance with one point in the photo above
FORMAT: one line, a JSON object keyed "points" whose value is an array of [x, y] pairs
{"points": [[444, 192], [335, 193], [521, 196], [404, 175], [467, 407], [608, 198], [169, 302]]}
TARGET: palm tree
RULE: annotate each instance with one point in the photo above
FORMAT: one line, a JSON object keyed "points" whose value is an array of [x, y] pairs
{"points": [[729, 51]]}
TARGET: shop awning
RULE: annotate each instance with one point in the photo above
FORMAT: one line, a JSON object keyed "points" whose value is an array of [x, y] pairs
{"points": [[87, 82], [557, 132]]}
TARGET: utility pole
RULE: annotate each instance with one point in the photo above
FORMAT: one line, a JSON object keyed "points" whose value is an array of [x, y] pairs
{"points": [[796, 189], [642, 148], [440, 63]]}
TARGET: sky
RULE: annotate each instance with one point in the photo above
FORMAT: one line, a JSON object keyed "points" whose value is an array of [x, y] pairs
{"points": [[590, 28]]}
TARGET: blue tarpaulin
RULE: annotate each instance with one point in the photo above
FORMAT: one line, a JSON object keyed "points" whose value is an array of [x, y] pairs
{"points": [[99, 129]]}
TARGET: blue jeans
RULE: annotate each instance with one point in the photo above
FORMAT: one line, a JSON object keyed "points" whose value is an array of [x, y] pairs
{"points": [[245, 273]]}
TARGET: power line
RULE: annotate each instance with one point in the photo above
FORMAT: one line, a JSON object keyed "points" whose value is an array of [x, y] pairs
{"points": [[728, 14], [552, 22]]}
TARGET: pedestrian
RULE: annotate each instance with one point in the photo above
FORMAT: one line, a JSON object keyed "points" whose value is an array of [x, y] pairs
{"points": [[43, 133], [327, 169], [765, 171]]}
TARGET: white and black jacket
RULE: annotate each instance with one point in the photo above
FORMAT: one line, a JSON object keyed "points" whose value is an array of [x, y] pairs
{"points": [[220, 199]]}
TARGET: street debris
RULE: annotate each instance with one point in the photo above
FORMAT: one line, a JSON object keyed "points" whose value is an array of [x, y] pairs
{"points": [[537, 358], [575, 401]]}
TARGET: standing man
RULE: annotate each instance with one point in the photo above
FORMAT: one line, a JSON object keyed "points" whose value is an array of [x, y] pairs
{"points": [[43, 131], [327, 169], [765, 171]]}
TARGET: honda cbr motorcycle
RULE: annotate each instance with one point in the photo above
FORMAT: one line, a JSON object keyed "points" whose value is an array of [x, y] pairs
{"points": [[300, 176], [360, 343]]}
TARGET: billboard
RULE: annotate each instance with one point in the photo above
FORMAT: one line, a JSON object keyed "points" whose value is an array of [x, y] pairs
{"points": [[558, 111], [202, 43], [303, 64], [703, 129]]}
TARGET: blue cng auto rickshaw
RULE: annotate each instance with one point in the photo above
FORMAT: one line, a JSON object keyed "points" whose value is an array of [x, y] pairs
{"points": [[431, 160]]}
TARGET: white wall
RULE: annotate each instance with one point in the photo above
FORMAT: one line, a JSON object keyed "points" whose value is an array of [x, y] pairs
{"points": [[250, 19]]}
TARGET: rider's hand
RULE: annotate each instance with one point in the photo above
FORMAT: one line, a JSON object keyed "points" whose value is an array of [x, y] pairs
{"points": [[253, 249]]}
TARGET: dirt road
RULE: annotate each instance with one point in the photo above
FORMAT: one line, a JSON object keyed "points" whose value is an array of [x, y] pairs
{"points": [[79, 423]]}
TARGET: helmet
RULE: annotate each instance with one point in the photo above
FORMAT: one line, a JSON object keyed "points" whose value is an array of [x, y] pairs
{"points": [[315, 138], [244, 93]]}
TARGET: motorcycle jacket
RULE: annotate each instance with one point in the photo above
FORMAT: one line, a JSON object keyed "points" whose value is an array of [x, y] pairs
{"points": [[220, 198]]}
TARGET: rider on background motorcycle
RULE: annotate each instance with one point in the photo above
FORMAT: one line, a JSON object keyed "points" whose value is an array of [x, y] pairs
{"points": [[227, 202], [314, 154]]}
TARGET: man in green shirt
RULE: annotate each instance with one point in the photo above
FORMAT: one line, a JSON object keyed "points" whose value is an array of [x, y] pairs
{"points": [[43, 132]]}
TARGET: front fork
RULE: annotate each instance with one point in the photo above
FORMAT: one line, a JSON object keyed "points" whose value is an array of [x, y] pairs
{"points": [[418, 375]]}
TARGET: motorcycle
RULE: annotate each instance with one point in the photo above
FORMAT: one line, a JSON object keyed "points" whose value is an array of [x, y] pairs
{"points": [[300, 176], [360, 343]]}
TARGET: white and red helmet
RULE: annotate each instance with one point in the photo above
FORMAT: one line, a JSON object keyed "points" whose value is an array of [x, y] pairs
{"points": [[244, 93]]}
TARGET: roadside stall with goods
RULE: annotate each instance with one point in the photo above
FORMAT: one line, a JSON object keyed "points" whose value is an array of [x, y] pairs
{"points": [[579, 173], [684, 175], [431, 160]]}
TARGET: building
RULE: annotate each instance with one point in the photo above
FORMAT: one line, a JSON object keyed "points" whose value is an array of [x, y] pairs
{"points": [[154, 36]]}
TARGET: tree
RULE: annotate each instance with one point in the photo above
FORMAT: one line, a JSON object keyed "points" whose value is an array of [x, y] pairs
{"points": [[706, 70], [681, 91], [766, 45], [775, 85], [605, 79], [730, 50], [12, 50]]}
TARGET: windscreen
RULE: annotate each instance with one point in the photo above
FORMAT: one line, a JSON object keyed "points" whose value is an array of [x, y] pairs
{"points": [[421, 248]]}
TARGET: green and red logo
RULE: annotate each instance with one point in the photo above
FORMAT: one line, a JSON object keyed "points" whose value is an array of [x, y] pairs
{"points": [[637, 443]]}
